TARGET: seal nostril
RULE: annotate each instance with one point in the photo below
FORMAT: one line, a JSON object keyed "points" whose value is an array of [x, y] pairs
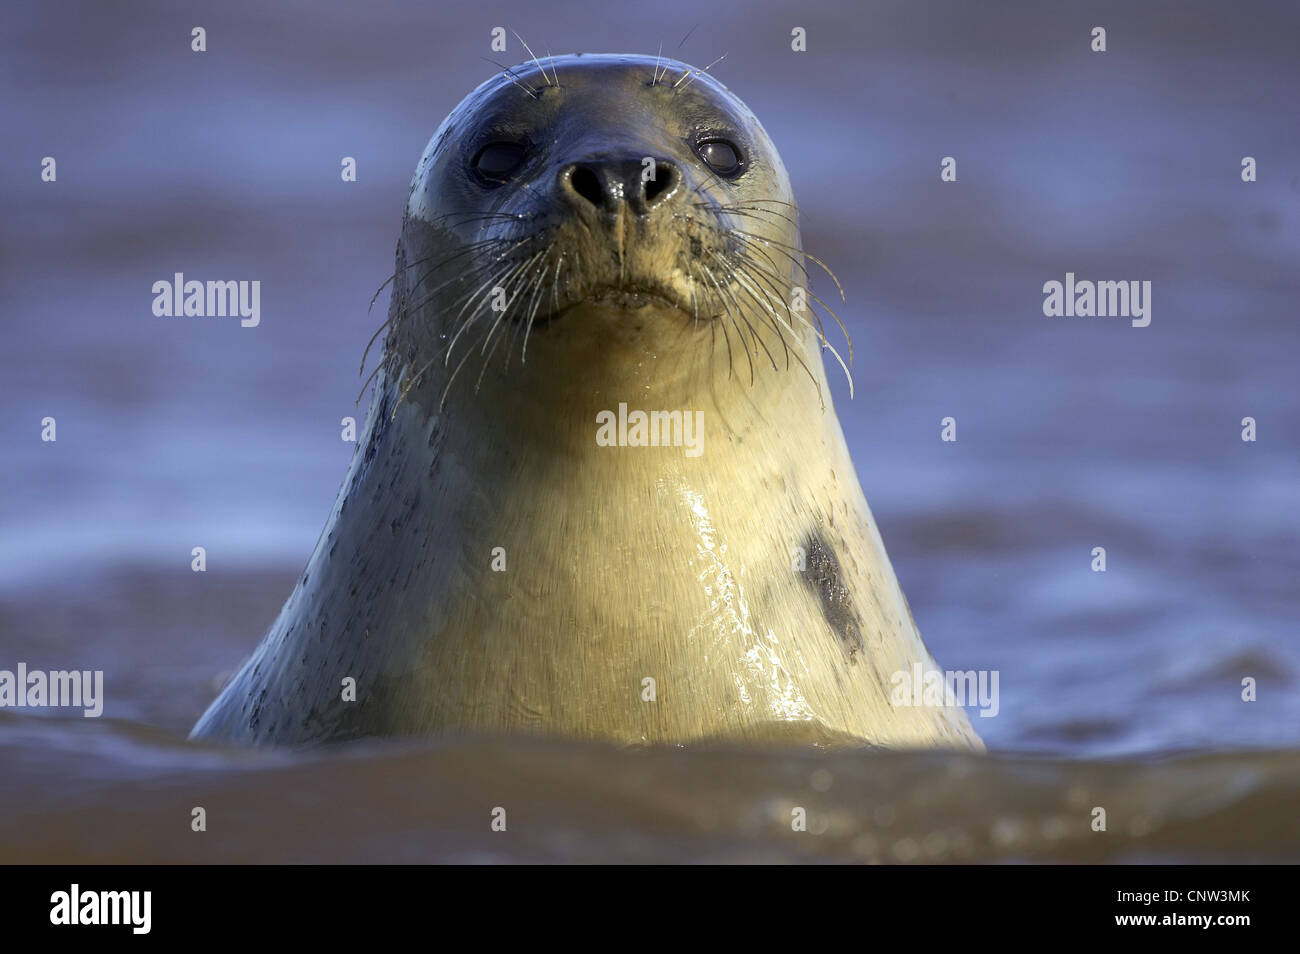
{"points": [[665, 181], [587, 184]]}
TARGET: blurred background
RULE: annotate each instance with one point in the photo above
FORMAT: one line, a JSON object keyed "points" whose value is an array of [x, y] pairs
{"points": [[1072, 433]]}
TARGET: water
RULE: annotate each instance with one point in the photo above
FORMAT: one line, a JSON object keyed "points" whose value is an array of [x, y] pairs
{"points": [[1119, 689]]}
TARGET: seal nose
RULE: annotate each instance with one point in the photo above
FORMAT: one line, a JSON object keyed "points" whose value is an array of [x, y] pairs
{"points": [[642, 185]]}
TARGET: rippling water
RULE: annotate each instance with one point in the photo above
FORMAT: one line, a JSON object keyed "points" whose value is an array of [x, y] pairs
{"points": [[119, 791], [1119, 689]]}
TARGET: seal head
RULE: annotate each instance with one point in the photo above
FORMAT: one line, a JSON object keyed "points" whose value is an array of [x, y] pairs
{"points": [[626, 187]]}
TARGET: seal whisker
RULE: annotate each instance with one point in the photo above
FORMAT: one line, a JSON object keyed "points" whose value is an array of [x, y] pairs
{"points": [[532, 54], [412, 379], [778, 323], [518, 285], [772, 269], [742, 279], [697, 73], [781, 282], [695, 305], [443, 262], [749, 200], [778, 286], [538, 293], [537, 286], [366, 383], [505, 283], [462, 219], [725, 336], [748, 289], [389, 280], [713, 343], [519, 277], [371, 306], [470, 249], [555, 307], [752, 212], [753, 242], [788, 249], [471, 216], [474, 269], [731, 273], [396, 317], [442, 401], [759, 284], [527, 282], [681, 43], [513, 77], [741, 239], [708, 180], [727, 340], [732, 315], [825, 344], [816, 298], [773, 294], [742, 209], [844, 367], [494, 281], [794, 253], [550, 59]]}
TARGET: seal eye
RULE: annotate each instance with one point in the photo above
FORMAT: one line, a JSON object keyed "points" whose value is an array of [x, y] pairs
{"points": [[497, 160], [721, 156]]}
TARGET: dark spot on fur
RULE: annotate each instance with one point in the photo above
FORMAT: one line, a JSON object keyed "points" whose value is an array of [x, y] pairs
{"points": [[825, 577]]}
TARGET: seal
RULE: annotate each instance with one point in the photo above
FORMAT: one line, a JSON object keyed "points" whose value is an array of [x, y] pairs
{"points": [[601, 490]]}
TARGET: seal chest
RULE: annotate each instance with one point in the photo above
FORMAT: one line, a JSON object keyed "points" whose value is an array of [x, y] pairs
{"points": [[602, 491]]}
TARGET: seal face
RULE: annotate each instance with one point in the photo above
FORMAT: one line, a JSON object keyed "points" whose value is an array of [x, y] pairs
{"points": [[601, 490]]}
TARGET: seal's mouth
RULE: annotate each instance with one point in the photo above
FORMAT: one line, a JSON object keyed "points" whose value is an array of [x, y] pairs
{"points": [[629, 296]]}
